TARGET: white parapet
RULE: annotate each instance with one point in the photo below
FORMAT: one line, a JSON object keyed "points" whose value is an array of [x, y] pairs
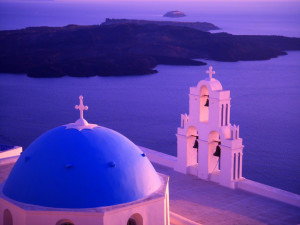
{"points": [[10, 155], [159, 157], [269, 192], [242, 184]]}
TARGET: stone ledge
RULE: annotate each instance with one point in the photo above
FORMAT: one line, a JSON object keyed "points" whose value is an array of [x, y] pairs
{"points": [[245, 184], [159, 157], [269, 192], [11, 152]]}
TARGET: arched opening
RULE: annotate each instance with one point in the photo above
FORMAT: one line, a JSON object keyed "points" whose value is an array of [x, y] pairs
{"points": [[192, 146], [213, 161], [135, 219], [131, 222], [7, 217], [204, 104], [65, 222]]}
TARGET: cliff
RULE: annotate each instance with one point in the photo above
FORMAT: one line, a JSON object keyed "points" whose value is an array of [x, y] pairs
{"points": [[126, 49], [204, 26]]}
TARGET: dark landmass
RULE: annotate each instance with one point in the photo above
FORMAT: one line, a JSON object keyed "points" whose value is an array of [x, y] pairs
{"points": [[204, 26], [174, 14], [126, 49]]}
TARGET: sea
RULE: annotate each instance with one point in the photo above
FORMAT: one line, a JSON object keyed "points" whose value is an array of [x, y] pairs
{"points": [[265, 94]]}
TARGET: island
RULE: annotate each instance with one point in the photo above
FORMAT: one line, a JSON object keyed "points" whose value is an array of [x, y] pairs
{"points": [[204, 26], [174, 14], [127, 48]]}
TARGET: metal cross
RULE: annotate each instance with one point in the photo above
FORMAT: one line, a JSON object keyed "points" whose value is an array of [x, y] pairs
{"points": [[81, 107], [210, 72]]}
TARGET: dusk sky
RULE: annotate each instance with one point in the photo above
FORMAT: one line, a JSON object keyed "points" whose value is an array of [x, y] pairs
{"points": [[183, 1], [176, 0]]}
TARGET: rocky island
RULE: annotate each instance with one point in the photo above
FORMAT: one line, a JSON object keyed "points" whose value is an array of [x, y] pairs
{"points": [[127, 48], [204, 26], [174, 14]]}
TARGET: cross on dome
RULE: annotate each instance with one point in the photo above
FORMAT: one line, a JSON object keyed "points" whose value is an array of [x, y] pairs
{"points": [[81, 123], [81, 107], [210, 72]]}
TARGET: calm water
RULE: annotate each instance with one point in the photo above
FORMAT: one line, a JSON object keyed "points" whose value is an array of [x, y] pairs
{"points": [[281, 18], [265, 94]]}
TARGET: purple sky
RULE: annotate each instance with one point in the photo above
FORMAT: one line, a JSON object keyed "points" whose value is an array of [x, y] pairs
{"points": [[179, 0]]}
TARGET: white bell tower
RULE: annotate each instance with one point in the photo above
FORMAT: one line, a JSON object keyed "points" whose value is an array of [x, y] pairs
{"points": [[206, 127]]}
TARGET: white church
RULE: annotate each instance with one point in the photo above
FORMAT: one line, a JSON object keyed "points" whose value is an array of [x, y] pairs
{"points": [[86, 174], [206, 134]]}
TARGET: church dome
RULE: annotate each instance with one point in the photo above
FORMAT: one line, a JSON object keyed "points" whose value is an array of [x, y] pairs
{"points": [[81, 165]]}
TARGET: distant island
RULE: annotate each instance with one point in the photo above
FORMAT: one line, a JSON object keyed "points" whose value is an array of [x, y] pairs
{"points": [[128, 47], [204, 26], [174, 14]]}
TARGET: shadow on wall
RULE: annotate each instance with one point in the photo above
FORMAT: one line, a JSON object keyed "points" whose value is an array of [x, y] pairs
{"points": [[135, 219], [7, 217]]}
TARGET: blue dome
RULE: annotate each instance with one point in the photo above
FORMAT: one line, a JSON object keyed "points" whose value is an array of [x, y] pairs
{"points": [[68, 168]]}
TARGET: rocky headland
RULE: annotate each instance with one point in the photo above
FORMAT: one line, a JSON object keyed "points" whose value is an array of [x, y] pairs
{"points": [[127, 48]]}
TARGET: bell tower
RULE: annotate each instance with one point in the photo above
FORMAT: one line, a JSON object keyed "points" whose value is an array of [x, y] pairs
{"points": [[208, 146]]}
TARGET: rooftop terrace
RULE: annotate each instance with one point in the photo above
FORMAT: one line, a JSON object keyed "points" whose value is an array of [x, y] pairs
{"points": [[209, 203]]}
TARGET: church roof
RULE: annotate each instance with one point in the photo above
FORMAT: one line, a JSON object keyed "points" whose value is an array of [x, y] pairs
{"points": [[81, 167]]}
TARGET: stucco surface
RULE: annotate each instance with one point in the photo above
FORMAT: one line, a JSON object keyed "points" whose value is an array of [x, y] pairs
{"points": [[209, 203], [5, 170]]}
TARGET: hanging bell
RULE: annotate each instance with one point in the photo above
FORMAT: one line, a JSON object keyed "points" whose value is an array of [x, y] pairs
{"points": [[218, 151], [196, 144], [207, 102]]}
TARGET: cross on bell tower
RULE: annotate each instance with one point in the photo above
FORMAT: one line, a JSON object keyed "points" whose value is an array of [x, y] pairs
{"points": [[210, 72], [81, 107]]}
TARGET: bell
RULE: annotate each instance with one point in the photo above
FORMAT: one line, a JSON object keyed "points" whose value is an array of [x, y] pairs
{"points": [[195, 144], [218, 151], [207, 103]]}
